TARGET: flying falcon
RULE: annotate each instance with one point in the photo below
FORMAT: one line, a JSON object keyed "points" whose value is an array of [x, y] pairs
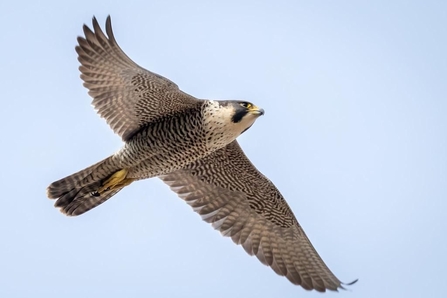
{"points": [[191, 145]]}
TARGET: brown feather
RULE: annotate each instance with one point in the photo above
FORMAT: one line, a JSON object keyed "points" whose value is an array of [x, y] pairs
{"points": [[125, 94], [231, 194]]}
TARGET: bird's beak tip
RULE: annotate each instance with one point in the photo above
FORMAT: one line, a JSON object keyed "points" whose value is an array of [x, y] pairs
{"points": [[257, 111]]}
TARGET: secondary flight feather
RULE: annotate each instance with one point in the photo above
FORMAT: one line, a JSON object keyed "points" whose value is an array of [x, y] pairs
{"points": [[191, 145]]}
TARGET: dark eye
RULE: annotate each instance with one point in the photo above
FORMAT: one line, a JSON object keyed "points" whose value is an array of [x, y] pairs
{"points": [[246, 104]]}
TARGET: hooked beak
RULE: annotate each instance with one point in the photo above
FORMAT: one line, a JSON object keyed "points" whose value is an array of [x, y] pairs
{"points": [[256, 111]]}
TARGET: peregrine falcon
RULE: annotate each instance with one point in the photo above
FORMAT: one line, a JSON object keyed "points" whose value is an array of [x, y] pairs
{"points": [[191, 145]]}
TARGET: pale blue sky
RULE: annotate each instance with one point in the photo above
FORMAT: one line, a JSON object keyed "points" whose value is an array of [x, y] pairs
{"points": [[354, 136]]}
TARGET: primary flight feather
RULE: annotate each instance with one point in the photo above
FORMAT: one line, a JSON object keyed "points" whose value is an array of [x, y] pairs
{"points": [[191, 145]]}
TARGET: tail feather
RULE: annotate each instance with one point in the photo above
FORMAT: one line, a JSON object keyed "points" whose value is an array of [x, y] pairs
{"points": [[75, 194], [85, 201], [94, 173]]}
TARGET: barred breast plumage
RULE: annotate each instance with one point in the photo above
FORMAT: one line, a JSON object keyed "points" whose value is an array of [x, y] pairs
{"points": [[162, 127], [191, 145], [173, 142]]}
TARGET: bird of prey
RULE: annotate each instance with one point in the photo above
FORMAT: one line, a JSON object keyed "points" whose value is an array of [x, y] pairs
{"points": [[191, 145]]}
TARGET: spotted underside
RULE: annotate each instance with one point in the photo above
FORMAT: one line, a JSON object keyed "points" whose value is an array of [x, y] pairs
{"points": [[231, 194], [125, 94], [190, 144]]}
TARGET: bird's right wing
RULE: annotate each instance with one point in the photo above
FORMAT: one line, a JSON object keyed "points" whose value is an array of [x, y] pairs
{"points": [[125, 94], [231, 194]]}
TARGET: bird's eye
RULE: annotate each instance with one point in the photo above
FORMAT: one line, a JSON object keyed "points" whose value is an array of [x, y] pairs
{"points": [[246, 105]]}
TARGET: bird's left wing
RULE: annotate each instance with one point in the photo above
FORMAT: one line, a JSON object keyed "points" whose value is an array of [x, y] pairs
{"points": [[231, 194]]}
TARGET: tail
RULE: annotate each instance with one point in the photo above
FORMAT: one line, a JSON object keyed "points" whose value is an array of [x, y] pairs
{"points": [[86, 189]]}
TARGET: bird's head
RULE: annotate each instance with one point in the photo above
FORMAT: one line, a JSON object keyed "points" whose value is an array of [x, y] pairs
{"points": [[226, 120], [245, 111], [244, 114], [238, 116]]}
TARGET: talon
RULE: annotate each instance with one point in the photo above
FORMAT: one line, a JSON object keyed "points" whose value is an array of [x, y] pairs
{"points": [[117, 180]]}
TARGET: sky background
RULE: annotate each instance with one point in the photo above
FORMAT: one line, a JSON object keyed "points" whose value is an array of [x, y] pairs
{"points": [[354, 136]]}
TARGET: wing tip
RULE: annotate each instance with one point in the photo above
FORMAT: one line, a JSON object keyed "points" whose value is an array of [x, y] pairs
{"points": [[109, 30], [342, 284], [96, 23], [97, 27]]}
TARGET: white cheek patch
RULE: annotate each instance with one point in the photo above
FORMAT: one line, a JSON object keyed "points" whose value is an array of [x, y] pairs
{"points": [[220, 129], [216, 116]]}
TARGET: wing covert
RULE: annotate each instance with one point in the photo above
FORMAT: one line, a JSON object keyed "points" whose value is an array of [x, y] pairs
{"points": [[125, 94], [231, 194]]}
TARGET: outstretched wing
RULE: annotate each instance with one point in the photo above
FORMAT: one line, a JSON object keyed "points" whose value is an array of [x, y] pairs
{"points": [[231, 194], [125, 94]]}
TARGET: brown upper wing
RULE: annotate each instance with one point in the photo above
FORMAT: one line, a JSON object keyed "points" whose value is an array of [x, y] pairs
{"points": [[231, 194], [125, 94]]}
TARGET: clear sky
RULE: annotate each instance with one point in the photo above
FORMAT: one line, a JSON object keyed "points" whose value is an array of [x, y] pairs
{"points": [[354, 136]]}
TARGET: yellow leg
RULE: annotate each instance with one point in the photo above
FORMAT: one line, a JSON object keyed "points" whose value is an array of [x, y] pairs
{"points": [[117, 180]]}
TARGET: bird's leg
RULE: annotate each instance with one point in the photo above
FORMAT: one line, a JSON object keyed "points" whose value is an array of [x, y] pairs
{"points": [[117, 180]]}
